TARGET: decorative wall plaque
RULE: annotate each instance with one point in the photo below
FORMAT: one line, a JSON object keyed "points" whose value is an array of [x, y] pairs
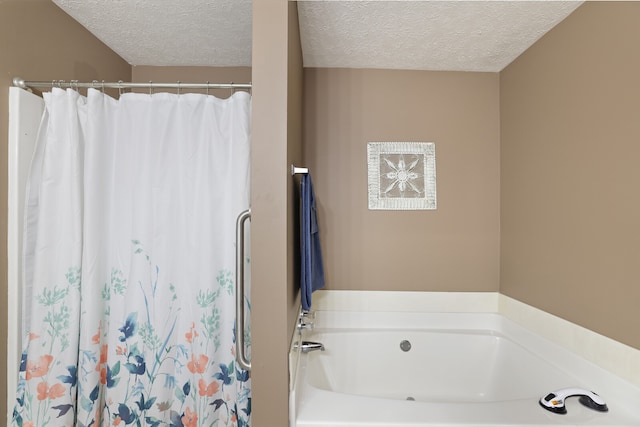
{"points": [[402, 175]]}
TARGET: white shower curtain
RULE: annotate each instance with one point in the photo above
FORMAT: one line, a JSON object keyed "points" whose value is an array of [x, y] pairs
{"points": [[129, 258]]}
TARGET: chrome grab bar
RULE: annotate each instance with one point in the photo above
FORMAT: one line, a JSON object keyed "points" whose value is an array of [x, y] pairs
{"points": [[240, 350]]}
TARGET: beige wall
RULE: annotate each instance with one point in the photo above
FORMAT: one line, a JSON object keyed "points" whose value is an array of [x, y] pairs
{"points": [[277, 71], [570, 113], [40, 42], [295, 88], [456, 247]]}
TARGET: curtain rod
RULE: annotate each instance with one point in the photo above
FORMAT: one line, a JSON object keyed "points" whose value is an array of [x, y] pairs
{"points": [[74, 84]]}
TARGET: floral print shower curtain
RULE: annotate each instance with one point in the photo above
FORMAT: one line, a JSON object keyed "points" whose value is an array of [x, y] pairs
{"points": [[129, 252]]}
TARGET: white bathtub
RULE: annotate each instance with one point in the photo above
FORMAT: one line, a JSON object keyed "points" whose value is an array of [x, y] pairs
{"points": [[462, 369]]}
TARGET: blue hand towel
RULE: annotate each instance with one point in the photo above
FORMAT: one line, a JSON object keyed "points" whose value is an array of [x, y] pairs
{"points": [[311, 267]]}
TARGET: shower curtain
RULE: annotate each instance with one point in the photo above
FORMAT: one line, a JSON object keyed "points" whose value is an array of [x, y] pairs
{"points": [[129, 258]]}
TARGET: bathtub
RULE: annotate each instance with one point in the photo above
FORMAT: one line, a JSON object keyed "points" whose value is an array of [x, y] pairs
{"points": [[444, 369]]}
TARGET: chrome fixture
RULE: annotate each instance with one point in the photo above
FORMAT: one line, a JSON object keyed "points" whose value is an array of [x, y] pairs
{"points": [[405, 345], [74, 84], [241, 356], [305, 320], [296, 170], [308, 346]]}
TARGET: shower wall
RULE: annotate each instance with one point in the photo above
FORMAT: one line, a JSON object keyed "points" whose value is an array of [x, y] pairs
{"points": [[38, 41], [454, 248]]}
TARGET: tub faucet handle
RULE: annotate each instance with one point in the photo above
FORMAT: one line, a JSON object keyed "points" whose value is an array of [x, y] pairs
{"points": [[305, 320], [308, 314], [304, 324]]}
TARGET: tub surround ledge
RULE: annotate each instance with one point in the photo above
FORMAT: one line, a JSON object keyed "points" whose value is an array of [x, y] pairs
{"points": [[421, 302], [611, 355]]}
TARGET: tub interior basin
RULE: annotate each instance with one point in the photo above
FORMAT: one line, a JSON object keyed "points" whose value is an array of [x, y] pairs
{"points": [[430, 365]]}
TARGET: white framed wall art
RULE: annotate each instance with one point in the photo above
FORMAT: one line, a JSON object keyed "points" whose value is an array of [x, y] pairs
{"points": [[402, 175]]}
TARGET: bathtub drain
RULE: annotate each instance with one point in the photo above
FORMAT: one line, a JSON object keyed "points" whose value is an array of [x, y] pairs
{"points": [[405, 345], [410, 398]]}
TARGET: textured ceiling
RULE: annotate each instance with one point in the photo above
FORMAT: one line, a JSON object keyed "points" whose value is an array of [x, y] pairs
{"points": [[169, 32], [426, 35]]}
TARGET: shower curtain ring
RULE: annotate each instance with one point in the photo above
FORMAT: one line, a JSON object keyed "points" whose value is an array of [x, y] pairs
{"points": [[233, 89], [103, 87], [178, 87], [150, 88], [120, 87], [207, 87]]}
